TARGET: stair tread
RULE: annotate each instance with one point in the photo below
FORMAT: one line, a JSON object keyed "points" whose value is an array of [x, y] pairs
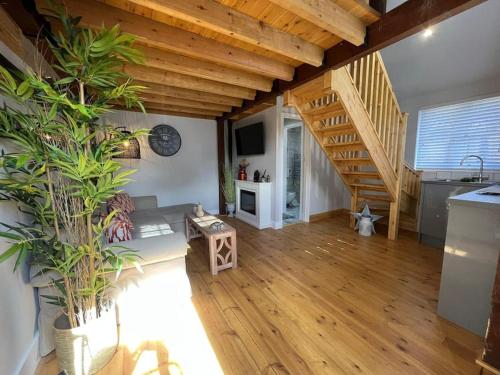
{"points": [[345, 147], [353, 161], [361, 173], [331, 107], [334, 109], [327, 115], [369, 187], [372, 197], [311, 96], [379, 211], [341, 144], [339, 129], [375, 205]]}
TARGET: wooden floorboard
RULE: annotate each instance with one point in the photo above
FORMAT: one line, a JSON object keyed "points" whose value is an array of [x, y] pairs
{"points": [[319, 299]]}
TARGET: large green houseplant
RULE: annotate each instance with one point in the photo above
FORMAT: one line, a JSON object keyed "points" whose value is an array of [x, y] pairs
{"points": [[229, 189], [62, 169]]}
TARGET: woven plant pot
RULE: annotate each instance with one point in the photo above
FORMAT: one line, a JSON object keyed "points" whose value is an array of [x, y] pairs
{"points": [[86, 349]]}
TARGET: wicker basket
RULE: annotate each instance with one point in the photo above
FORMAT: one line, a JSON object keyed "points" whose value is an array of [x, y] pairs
{"points": [[86, 349]]}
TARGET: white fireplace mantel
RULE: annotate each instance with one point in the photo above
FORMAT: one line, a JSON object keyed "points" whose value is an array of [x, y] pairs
{"points": [[262, 191]]}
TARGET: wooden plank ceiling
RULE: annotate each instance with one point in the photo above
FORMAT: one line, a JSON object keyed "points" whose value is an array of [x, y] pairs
{"points": [[204, 57]]}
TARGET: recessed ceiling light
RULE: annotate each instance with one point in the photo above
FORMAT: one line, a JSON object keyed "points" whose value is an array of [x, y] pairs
{"points": [[428, 33]]}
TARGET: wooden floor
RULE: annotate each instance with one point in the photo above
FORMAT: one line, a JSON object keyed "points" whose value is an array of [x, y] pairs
{"points": [[319, 299]]}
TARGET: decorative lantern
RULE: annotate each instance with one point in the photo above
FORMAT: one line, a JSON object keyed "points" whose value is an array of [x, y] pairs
{"points": [[130, 149]]}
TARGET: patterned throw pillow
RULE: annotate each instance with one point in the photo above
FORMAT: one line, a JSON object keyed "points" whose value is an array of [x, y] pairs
{"points": [[121, 202], [120, 228]]}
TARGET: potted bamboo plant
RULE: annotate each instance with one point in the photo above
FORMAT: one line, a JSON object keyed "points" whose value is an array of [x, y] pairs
{"points": [[61, 173], [229, 190]]}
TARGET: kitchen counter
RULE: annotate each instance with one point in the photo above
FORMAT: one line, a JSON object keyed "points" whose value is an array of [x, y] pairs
{"points": [[459, 183], [433, 212], [470, 260], [477, 198]]}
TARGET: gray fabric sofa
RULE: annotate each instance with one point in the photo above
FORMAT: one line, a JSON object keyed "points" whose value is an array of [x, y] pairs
{"points": [[159, 237]]}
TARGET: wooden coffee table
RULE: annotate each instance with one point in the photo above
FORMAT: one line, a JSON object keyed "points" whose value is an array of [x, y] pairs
{"points": [[221, 243]]}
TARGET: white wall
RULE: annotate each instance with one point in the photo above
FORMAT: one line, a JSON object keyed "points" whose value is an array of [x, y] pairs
{"points": [[190, 176], [328, 191], [18, 332], [267, 161], [459, 62]]}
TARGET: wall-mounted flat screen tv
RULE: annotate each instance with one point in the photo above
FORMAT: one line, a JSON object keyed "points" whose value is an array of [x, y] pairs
{"points": [[250, 139]]}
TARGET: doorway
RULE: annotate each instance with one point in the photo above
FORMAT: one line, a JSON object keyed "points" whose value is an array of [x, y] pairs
{"points": [[293, 147]]}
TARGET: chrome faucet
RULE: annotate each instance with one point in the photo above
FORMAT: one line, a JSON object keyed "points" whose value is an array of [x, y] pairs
{"points": [[480, 168]]}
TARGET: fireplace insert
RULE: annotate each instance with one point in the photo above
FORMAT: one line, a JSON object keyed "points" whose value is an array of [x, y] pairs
{"points": [[247, 201]]}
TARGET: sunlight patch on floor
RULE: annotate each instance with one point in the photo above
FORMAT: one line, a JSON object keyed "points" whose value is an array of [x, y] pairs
{"points": [[161, 332]]}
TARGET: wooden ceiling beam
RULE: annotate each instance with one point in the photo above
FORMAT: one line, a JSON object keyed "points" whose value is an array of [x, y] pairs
{"points": [[182, 93], [227, 21], [329, 16], [379, 5], [156, 34], [253, 110], [181, 109], [11, 35], [152, 98], [23, 52], [173, 62], [142, 73], [164, 112], [401, 22]]}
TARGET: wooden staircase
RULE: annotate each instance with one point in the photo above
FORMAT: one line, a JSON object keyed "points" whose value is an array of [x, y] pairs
{"points": [[410, 198], [353, 114], [409, 202]]}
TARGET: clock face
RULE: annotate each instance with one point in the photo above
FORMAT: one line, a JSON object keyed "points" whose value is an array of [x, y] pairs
{"points": [[164, 140]]}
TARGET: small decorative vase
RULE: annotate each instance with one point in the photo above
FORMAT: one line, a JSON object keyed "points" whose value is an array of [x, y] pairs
{"points": [[230, 209], [199, 211], [242, 174]]}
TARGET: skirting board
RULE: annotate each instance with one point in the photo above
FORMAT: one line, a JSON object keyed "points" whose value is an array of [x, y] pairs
{"points": [[327, 214]]}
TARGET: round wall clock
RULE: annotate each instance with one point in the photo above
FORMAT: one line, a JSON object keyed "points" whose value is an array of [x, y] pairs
{"points": [[164, 140]]}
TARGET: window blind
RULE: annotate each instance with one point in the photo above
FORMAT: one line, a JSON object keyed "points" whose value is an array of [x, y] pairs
{"points": [[447, 134]]}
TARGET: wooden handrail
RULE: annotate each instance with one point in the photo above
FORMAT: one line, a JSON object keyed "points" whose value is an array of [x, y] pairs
{"points": [[372, 82], [411, 181]]}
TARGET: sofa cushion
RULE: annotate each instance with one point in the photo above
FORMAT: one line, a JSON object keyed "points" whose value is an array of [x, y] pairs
{"points": [[148, 226], [122, 202], [161, 215], [175, 214], [158, 248], [150, 250], [179, 227], [145, 202], [120, 228]]}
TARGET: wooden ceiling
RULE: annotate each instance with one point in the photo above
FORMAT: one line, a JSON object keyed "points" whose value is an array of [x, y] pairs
{"points": [[204, 57]]}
